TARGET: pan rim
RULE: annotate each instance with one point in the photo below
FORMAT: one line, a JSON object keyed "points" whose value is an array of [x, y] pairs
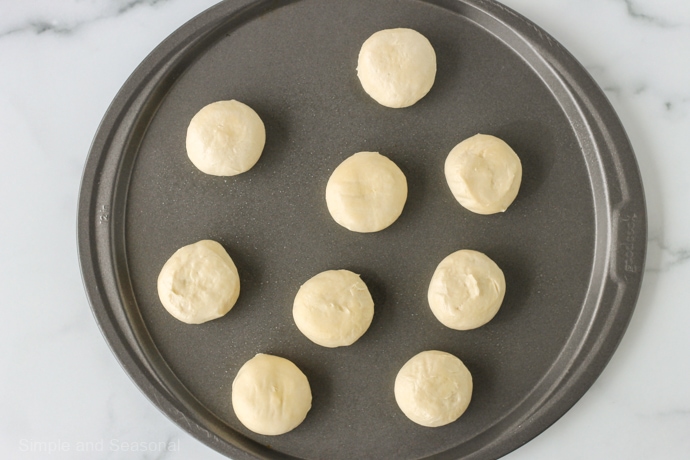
{"points": [[620, 211]]}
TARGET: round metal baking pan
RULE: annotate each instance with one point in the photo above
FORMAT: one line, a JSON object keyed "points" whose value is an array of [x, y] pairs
{"points": [[571, 246]]}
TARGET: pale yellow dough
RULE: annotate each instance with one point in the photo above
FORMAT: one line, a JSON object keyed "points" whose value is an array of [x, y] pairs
{"points": [[270, 395], [199, 283], [433, 388], [466, 290], [225, 138], [334, 308], [484, 174], [366, 192], [397, 67]]}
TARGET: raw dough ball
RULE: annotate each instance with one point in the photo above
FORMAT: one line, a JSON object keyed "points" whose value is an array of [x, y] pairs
{"points": [[433, 388], [270, 395], [484, 174], [397, 67], [334, 308], [199, 283], [366, 193], [225, 138], [466, 290]]}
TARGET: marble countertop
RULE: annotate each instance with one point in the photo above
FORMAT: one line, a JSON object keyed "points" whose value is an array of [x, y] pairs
{"points": [[61, 63]]}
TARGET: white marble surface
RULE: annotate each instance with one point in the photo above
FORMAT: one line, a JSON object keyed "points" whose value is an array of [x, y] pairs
{"points": [[61, 63]]}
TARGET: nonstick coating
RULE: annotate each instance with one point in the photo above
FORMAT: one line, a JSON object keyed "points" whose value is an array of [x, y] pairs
{"points": [[571, 246]]}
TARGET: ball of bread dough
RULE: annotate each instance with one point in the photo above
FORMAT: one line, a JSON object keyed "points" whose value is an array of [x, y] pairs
{"points": [[334, 308], [366, 192], [225, 138], [484, 174], [466, 290], [199, 283], [433, 388], [397, 67], [270, 395]]}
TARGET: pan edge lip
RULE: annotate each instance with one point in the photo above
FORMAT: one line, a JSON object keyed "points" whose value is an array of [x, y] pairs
{"points": [[553, 409]]}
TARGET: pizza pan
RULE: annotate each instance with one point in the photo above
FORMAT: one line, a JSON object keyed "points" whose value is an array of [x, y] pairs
{"points": [[571, 246]]}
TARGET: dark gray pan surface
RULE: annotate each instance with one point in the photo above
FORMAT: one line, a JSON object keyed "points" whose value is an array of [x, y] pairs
{"points": [[572, 245]]}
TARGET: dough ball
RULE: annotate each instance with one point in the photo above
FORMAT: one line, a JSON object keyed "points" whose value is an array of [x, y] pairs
{"points": [[225, 138], [366, 193], [397, 67], [484, 174], [334, 308], [270, 395], [466, 290], [433, 388], [199, 283]]}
